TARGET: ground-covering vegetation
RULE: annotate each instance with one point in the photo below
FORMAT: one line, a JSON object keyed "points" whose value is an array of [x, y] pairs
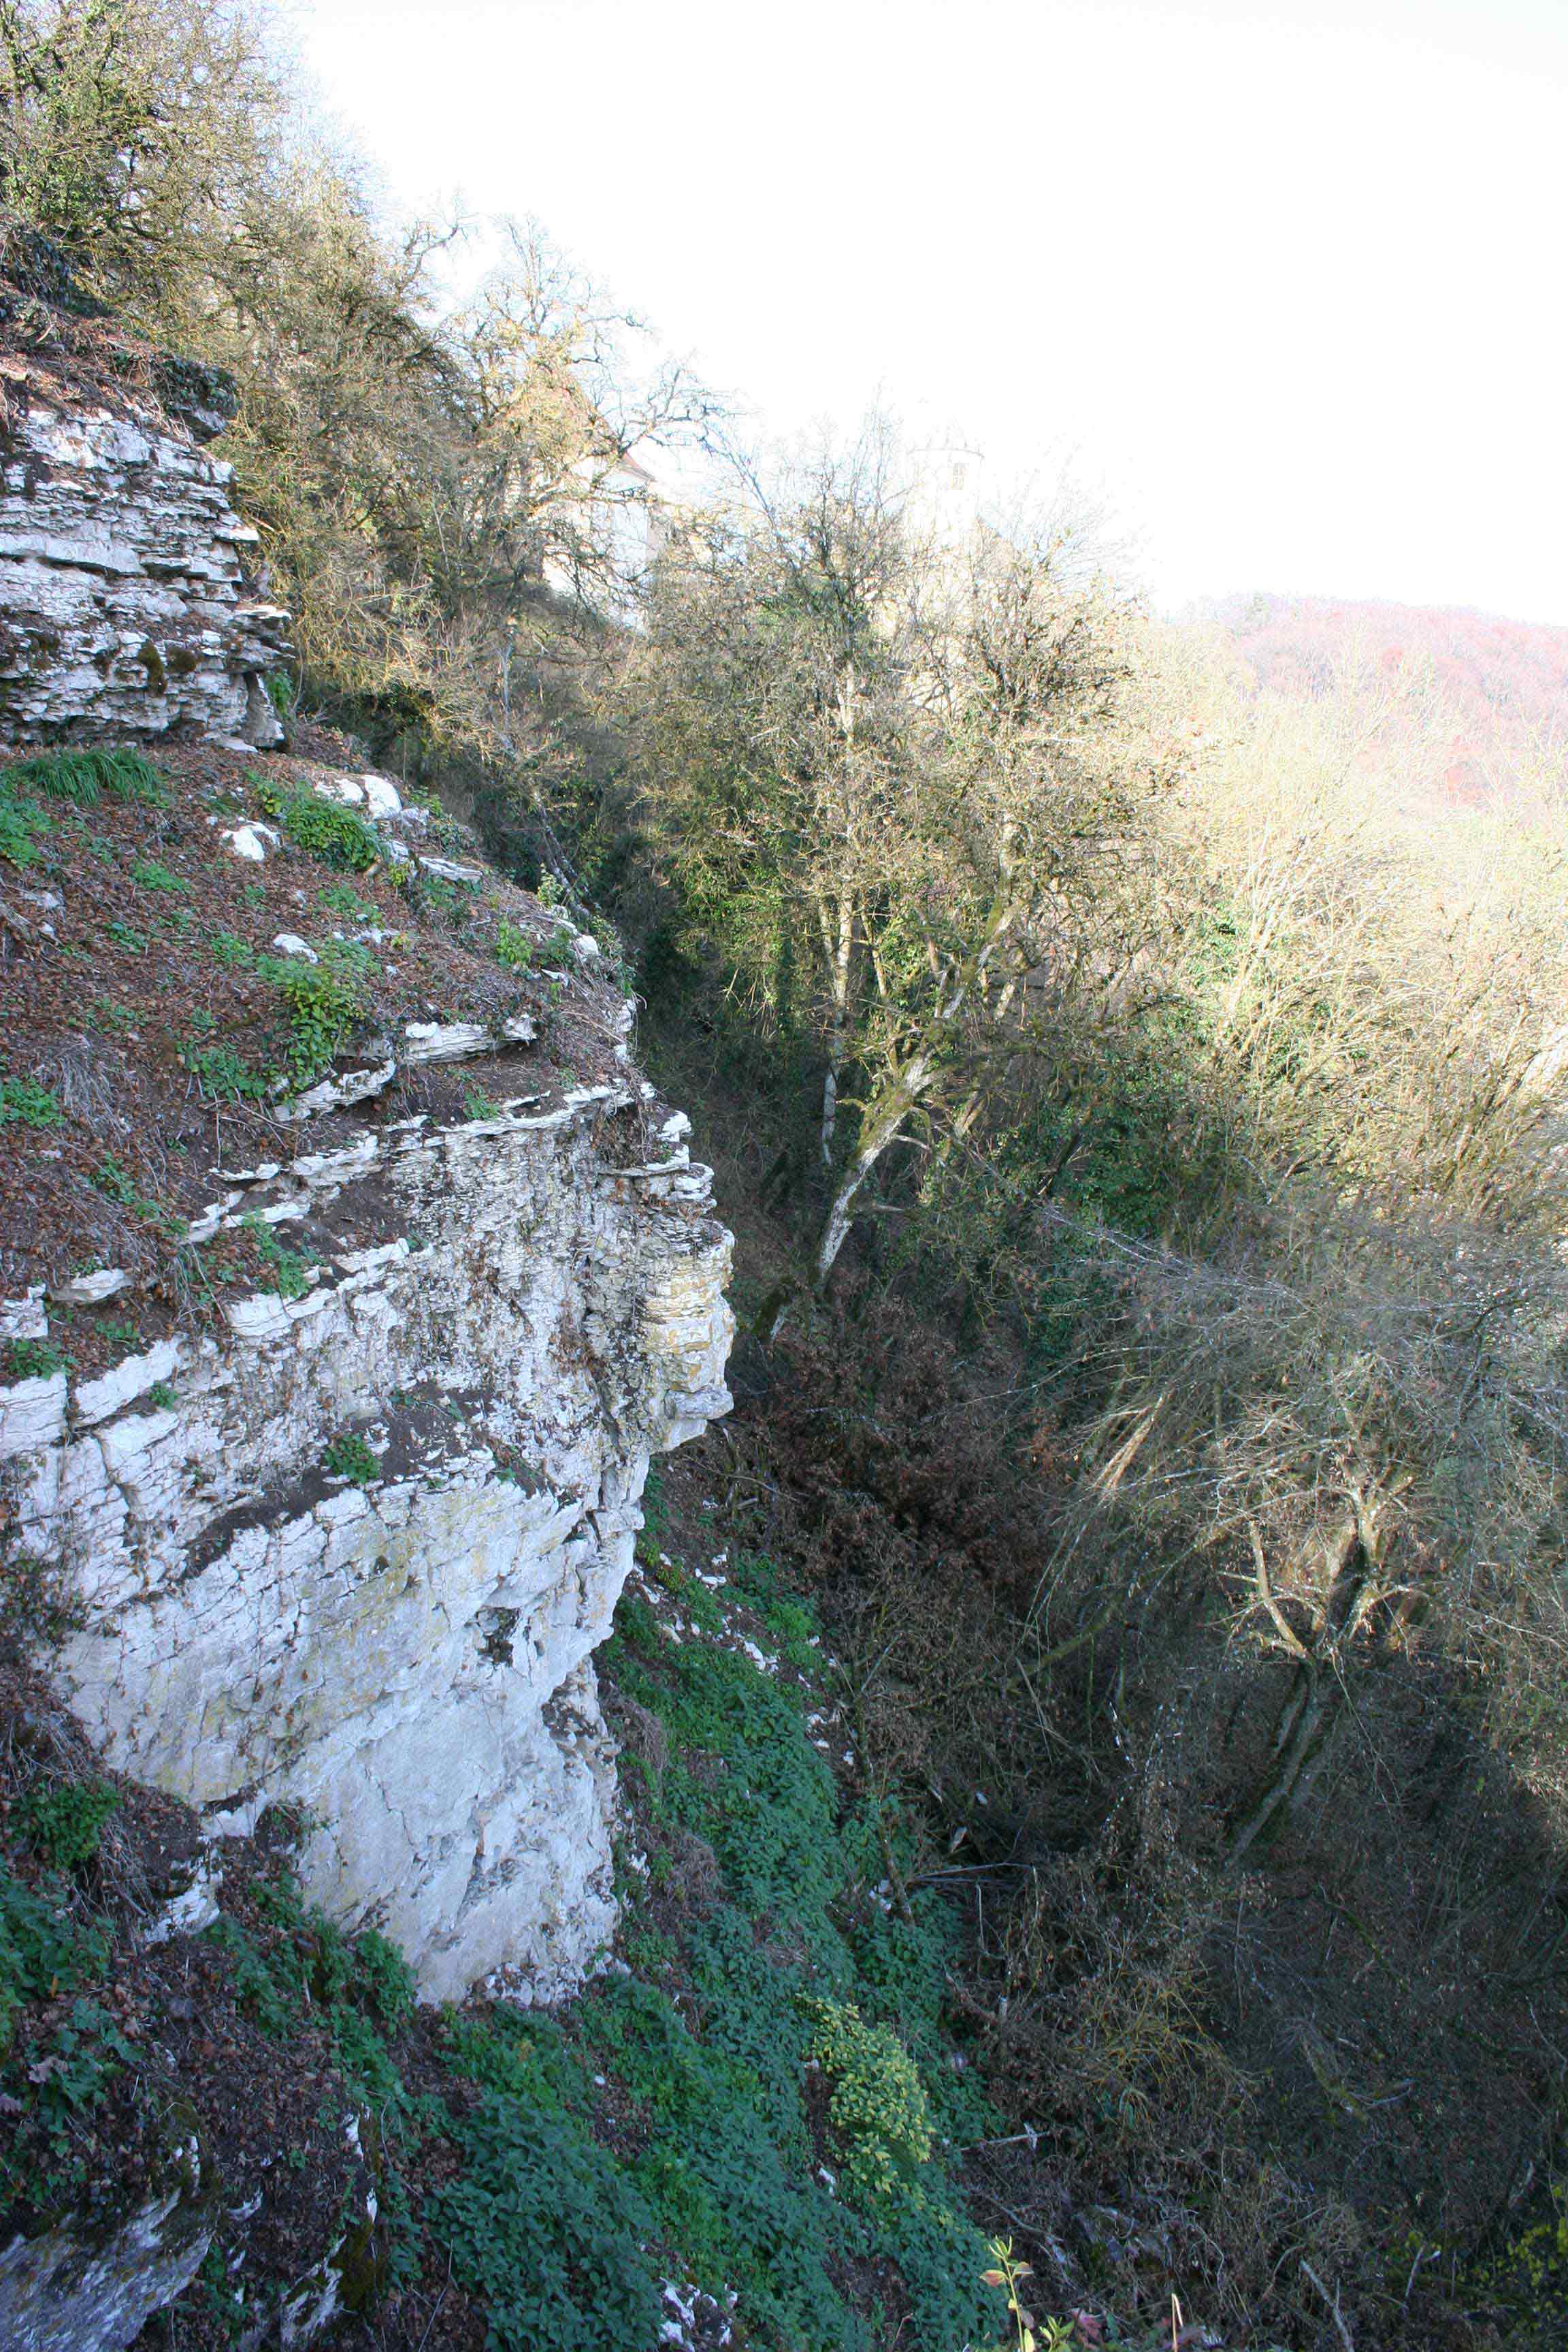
{"points": [[1141, 1116], [758, 2113]]}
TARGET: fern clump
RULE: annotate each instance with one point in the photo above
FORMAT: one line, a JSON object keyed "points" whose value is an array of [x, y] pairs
{"points": [[85, 777]]}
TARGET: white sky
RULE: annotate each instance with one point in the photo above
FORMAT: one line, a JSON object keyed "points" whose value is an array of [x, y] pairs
{"points": [[1288, 281]]}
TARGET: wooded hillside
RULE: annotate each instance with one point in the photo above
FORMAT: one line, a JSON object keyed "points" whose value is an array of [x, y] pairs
{"points": [[1143, 1123]]}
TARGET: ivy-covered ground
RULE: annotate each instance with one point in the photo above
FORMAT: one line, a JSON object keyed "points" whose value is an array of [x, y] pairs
{"points": [[752, 2129], [745, 2132]]}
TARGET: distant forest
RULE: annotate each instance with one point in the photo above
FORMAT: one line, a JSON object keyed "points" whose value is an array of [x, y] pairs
{"points": [[1484, 699]]}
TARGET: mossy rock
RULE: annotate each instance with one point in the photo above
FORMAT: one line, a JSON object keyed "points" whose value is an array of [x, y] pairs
{"points": [[90, 2281]]}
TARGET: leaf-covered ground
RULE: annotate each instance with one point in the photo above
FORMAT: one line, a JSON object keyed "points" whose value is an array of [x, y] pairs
{"points": [[151, 1023]]}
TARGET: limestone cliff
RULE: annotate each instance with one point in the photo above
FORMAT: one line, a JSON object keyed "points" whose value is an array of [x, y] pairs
{"points": [[124, 603], [343, 1545], [401, 1645]]}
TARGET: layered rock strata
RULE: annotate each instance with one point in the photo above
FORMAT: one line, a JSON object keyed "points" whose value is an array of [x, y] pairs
{"points": [[123, 601], [354, 1558]]}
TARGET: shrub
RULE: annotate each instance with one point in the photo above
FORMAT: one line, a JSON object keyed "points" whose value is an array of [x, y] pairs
{"points": [[65, 1824], [514, 946], [325, 827], [879, 2108], [228, 948], [325, 1000]]}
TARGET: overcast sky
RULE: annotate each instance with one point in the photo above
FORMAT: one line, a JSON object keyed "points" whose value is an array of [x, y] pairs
{"points": [[1287, 281]]}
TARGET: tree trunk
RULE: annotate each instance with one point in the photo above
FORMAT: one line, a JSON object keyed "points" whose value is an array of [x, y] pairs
{"points": [[839, 954], [883, 1127], [1304, 1724]]}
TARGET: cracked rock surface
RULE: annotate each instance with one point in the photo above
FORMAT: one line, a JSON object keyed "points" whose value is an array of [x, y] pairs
{"points": [[124, 603], [396, 1639]]}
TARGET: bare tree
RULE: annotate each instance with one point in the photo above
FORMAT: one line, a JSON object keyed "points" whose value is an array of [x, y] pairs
{"points": [[887, 769]]}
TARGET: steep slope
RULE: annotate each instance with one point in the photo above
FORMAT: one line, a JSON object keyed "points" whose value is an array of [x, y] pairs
{"points": [[340, 1472]]}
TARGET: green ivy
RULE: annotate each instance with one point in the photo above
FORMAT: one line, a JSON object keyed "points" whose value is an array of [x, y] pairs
{"points": [[34, 1105], [65, 1824]]}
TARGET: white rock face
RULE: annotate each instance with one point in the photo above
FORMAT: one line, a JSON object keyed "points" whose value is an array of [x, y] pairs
{"points": [[121, 585], [408, 1660]]}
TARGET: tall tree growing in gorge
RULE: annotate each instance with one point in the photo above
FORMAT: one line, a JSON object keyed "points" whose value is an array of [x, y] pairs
{"points": [[890, 769]]}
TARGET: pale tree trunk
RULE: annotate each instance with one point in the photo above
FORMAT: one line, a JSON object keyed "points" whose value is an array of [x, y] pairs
{"points": [[839, 951], [884, 1126], [911, 1082]]}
